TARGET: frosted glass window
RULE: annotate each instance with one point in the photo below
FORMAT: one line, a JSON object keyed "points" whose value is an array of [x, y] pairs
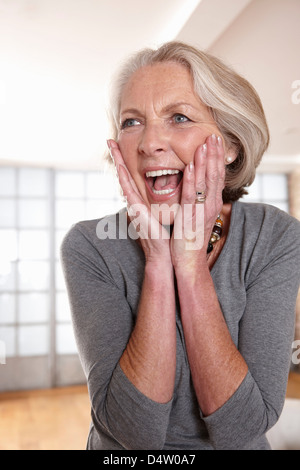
{"points": [[33, 244], [7, 181], [33, 340], [69, 212], [33, 308], [59, 277], [7, 309], [93, 186], [109, 186], [274, 187], [7, 334], [33, 213], [65, 340], [69, 184], [7, 276], [100, 208], [62, 307], [33, 182], [33, 275], [254, 193], [284, 206], [8, 245], [102, 185], [59, 236], [7, 213]]}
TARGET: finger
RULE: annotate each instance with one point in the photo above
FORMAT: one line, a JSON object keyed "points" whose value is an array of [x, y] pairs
{"points": [[129, 191], [200, 168], [118, 160], [215, 168], [192, 215], [188, 185]]}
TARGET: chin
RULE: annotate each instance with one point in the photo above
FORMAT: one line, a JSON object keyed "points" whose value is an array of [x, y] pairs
{"points": [[165, 213]]}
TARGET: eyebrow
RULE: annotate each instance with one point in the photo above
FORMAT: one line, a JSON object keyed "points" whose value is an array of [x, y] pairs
{"points": [[167, 108]]}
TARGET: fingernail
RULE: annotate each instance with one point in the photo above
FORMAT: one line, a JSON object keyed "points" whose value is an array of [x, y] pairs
{"points": [[213, 138], [204, 149], [219, 141], [191, 167]]}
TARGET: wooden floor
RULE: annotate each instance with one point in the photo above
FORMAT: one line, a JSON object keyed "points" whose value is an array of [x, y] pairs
{"points": [[57, 419]]}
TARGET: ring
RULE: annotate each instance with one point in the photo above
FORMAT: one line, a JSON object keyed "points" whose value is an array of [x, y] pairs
{"points": [[200, 197]]}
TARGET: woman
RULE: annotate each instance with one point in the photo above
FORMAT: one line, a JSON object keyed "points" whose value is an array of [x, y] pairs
{"points": [[185, 322]]}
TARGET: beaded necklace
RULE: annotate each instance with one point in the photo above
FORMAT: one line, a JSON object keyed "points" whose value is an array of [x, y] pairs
{"points": [[215, 234]]}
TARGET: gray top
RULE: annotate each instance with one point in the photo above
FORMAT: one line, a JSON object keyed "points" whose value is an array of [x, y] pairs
{"points": [[256, 278]]}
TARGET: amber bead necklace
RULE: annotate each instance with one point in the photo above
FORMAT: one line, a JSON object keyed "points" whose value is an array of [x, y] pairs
{"points": [[216, 234]]}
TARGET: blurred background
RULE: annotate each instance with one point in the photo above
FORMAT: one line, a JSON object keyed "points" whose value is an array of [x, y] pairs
{"points": [[56, 60]]}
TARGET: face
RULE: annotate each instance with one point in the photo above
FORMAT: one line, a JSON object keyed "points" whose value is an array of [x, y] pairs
{"points": [[162, 123]]}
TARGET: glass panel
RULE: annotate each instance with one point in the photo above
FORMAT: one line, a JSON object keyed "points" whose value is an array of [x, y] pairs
{"points": [[7, 309], [100, 208], [33, 275], [33, 340], [8, 245], [33, 308], [65, 340], [62, 307], [7, 213], [59, 236], [254, 192], [102, 185], [7, 181], [59, 277], [33, 244], [69, 184], [7, 334], [284, 206], [93, 185], [7, 276], [109, 185], [33, 182], [274, 187], [69, 212], [33, 213]]}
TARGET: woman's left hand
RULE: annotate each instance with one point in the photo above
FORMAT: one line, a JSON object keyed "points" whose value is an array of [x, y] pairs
{"points": [[194, 222]]}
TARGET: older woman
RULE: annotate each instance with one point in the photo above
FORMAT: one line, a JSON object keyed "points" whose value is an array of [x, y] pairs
{"points": [[185, 334]]}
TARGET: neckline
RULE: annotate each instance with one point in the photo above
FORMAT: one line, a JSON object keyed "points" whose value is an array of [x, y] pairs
{"points": [[228, 237]]}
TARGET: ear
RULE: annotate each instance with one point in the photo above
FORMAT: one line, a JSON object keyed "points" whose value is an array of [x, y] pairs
{"points": [[230, 156]]}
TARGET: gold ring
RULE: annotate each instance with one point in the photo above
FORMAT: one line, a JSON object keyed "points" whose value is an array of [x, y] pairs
{"points": [[200, 197]]}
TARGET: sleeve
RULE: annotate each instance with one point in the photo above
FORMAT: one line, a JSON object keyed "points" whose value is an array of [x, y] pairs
{"points": [[266, 333], [103, 321]]}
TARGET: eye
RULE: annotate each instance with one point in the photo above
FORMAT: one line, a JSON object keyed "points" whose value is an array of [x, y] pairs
{"points": [[130, 122], [180, 118]]}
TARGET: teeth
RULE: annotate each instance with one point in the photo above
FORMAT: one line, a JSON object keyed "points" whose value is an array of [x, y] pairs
{"points": [[163, 191], [161, 173]]}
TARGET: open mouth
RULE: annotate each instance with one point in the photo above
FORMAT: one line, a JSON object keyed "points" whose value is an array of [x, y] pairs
{"points": [[163, 182]]}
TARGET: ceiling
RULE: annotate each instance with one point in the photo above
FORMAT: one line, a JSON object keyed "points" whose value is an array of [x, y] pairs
{"points": [[57, 56]]}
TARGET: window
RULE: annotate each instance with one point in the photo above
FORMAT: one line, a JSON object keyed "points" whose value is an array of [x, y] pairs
{"points": [[270, 188], [37, 208]]}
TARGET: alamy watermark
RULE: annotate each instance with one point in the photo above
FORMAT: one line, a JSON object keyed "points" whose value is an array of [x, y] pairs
{"points": [[144, 224], [296, 354], [296, 93]]}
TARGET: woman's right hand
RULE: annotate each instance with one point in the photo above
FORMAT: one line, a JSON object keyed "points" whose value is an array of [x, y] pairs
{"points": [[153, 237]]}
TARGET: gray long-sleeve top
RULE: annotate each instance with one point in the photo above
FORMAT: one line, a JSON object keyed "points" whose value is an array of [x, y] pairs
{"points": [[256, 278]]}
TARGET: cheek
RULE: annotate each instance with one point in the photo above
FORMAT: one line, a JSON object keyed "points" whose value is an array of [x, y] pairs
{"points": [[190, 139], [187, 143]]}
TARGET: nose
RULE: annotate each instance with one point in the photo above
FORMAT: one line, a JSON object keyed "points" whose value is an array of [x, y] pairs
{"points": [[154, 139]]}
